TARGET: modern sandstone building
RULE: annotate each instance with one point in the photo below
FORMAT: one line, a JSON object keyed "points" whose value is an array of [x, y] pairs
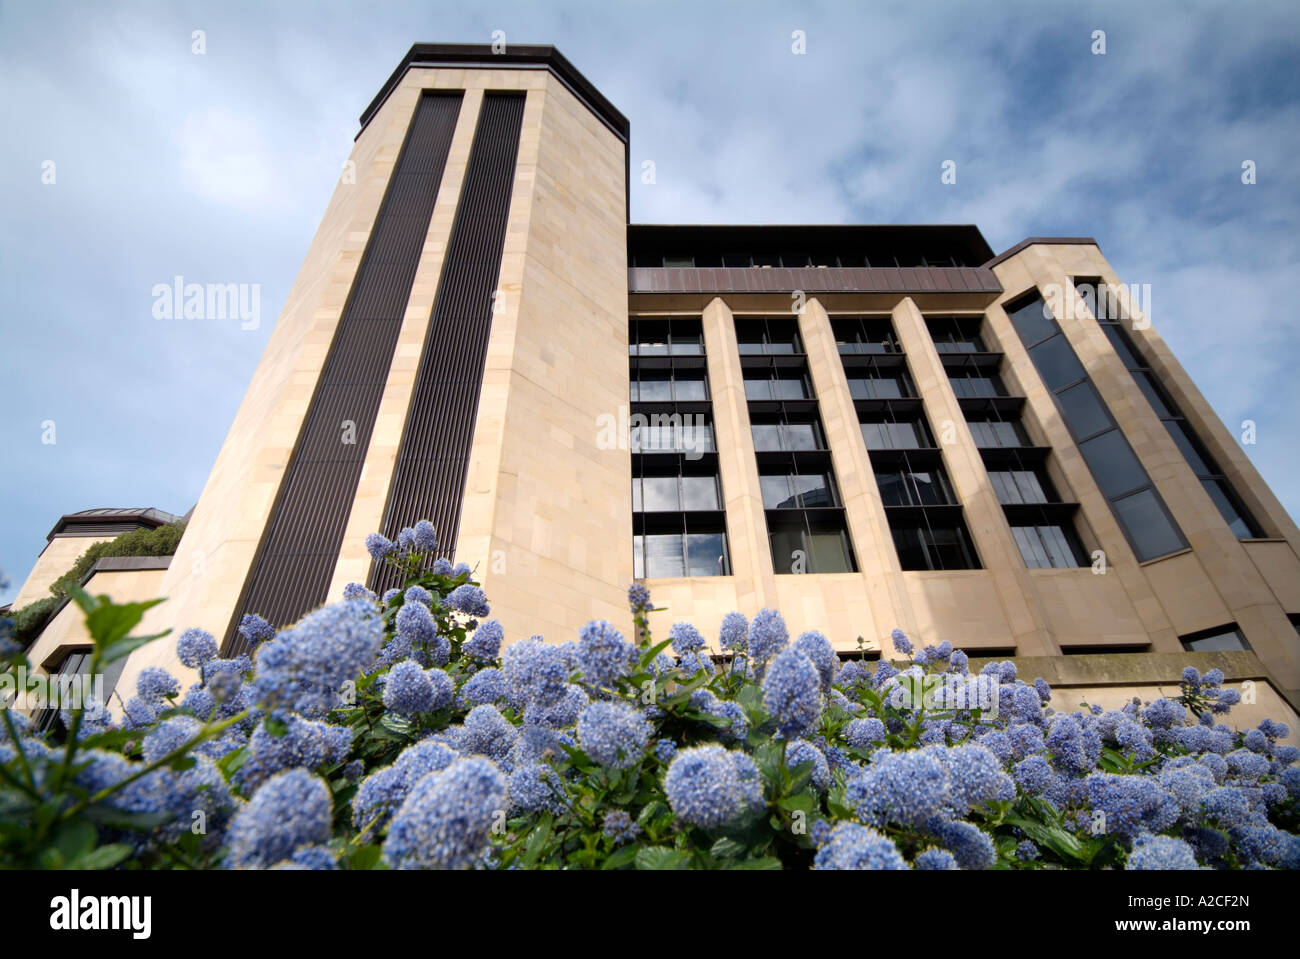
{"points": [[866, 427]]}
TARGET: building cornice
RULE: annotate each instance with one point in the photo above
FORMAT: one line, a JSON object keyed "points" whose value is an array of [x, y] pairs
{"points": [[109, 521], [513, 56], [1043, 240]]}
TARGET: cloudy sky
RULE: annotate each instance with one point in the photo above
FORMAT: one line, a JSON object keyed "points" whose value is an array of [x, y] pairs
{"points": [[217, 167]]}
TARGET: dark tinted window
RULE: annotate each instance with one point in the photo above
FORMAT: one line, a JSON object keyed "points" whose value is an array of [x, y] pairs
{"points": [[797, 491], [993, 434], [1212, 640], [1152, 532], [1113, 464], [1018, 486], [1178, 431], [1228, 508], [1083, 410], [706, 554], [1033, 322], [1056, 362], [1154, 395], [1046, 547], [1126, 352], [896, 436]]}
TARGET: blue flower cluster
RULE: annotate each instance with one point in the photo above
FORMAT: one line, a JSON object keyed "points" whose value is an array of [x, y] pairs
{"points": [[441, 746]]}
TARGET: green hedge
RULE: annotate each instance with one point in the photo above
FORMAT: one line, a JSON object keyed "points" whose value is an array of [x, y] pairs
{"points": [[29, 620]]}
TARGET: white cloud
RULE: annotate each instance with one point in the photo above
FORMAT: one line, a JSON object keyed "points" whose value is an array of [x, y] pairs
{"points": [[224, 158]]}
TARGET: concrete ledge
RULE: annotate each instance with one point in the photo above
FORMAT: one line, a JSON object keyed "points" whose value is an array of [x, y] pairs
{"points": [[1129, 669], [1140, 669]]}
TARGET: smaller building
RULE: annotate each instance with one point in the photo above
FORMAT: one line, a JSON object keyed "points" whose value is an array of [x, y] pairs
{"points": [[63, 644]]}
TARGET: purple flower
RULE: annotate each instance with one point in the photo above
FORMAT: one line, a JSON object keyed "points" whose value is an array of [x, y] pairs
{"points": [[735, 632], [408, 690], [1160, 852], [801, 751], [469, 600], [686, 638], [255, 630], [424, 538], [485, 645], [767, 636], [195, 647], [379, 547], [792, 693], [908, 788], [613, 734], [819, 650], [852, 846], [969, 845], [603, 654], [618, 826], [155, 684], [638, 598], [446, 818], [415, 623], [288, 811], [703, 787]]}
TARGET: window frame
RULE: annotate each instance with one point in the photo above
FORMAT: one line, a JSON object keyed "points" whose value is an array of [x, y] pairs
{"points": [[1090, 446], [1180, 429]]}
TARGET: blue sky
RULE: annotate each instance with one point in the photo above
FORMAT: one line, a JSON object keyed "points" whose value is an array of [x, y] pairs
{"points": [[218, 168]]}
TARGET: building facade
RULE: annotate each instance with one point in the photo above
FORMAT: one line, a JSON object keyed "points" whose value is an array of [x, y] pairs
{"points": [[867, 428]]}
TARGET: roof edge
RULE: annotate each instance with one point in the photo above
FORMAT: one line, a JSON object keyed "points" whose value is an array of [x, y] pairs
{"points": [[148, 517], [513, 55], [1045, 241]]}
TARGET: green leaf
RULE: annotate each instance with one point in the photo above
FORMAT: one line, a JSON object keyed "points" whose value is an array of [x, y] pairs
{"points": [[82, 598], [182, 763], [800, 802], [396, 723], [110, 622], [650, 811], [125, 647], [620, 857], [232, 760], [659, 857], [838, 809], [766, 862], [1054, 838], [73, 840], [1114, 761], [726, 848], [276, 726], [537, 840], [652, 652], [106, 815], [750, 699], [365, 857], [105, 857], [799, 776]]}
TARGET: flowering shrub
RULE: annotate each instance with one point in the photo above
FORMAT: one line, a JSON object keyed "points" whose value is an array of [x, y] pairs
{"points": [[393, 732]]}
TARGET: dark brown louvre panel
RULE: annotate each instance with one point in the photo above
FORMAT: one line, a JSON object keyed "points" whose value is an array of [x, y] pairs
{"points": [[291, 572], [433, 459], [99, 529], [920, 279]]}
